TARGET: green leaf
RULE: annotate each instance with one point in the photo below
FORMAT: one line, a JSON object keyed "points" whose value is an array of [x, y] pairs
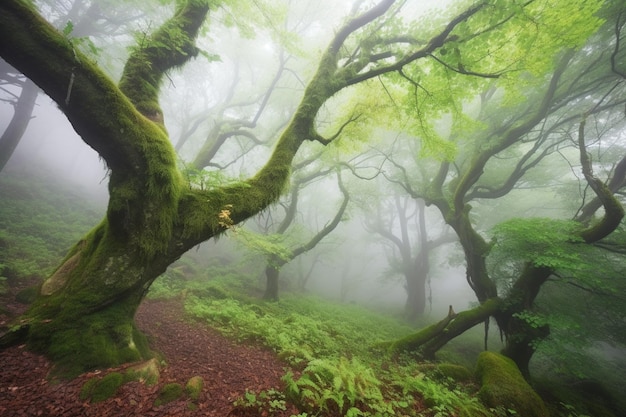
{"points": [[69, 27]]}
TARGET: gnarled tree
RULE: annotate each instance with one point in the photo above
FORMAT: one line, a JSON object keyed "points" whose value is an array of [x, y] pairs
{"points": [[83, 316], [581, 86]]}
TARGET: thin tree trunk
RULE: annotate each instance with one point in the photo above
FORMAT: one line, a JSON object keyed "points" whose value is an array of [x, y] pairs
{"points": [[272, 274], [18, 124]]}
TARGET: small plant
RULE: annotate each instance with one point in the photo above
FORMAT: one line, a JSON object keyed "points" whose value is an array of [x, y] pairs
{"points": [[343, 386], [443, 400], [267, 402]]}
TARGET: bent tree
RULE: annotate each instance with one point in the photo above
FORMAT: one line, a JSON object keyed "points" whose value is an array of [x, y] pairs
{"points": [[548, 123], [83, 315]]}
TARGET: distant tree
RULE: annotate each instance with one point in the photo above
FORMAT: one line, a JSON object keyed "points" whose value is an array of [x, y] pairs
{"points": [[412, 247], [275, 261], [83, 316], [279, 237], [23, 105]]}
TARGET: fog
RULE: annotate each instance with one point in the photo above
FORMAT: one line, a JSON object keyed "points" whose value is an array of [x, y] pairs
{"points": [[51, 144], [404, 148]]}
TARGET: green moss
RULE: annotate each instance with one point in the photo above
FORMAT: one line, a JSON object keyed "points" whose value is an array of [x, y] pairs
{"points": [[147, 372], [100, 389], [169, 393], [456, 372], [502, 385], [414, 341], [194, 387], [87, 389], [77, 343]]}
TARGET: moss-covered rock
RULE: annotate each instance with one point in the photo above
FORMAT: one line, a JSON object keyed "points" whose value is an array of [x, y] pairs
{"points": [[169, 392], [100, 389], [502, 385], [194, 387], [146, 372]]}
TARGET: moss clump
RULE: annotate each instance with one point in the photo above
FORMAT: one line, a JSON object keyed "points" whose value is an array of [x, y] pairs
{"points": [[147, 372], [194, 387], [456, 372], [101, 389], [169, 393], [502, 385]]}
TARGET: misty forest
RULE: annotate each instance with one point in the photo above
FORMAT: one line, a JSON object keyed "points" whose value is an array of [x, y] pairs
{"points": [[312, 208]]}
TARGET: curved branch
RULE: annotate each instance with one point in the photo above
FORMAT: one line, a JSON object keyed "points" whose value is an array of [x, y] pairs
{"points": [[619, 24], [170, 46], [329, 227], [358, 22], [38, 50], [433, 44], [613, 210]]}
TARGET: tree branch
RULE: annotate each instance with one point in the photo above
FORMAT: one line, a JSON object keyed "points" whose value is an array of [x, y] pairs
{"points": [[613, 210]]}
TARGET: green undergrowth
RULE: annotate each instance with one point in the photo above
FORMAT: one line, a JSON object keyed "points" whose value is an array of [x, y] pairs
{"points": [[39, 221], [334, 367]]}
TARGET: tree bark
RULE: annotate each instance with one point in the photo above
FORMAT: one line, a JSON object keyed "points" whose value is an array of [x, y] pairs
{"points": [[415, 305], [272, 274]]}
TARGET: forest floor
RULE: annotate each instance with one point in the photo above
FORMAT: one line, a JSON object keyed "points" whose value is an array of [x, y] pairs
{"points": [[188, 348]]}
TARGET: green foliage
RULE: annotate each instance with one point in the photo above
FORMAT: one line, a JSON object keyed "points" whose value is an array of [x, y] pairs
{"points": [[543, 242], [442, 399], [84, 43], [203, 179], [269, 245], [337, 385], [39, 221], [331, 346], [298, 329], [267, 402]]}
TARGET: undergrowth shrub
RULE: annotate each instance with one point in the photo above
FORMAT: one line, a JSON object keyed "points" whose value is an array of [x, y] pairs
{"points": [[338, 386]]}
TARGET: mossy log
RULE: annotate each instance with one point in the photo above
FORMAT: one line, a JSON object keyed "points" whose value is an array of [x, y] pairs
{"points": [[429, 340]]}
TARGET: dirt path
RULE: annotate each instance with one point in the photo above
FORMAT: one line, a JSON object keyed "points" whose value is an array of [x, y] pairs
{"points": [[189, 348]]}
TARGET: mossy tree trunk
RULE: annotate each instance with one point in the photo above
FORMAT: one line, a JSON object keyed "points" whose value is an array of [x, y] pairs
{"points": [[83, 317]]}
